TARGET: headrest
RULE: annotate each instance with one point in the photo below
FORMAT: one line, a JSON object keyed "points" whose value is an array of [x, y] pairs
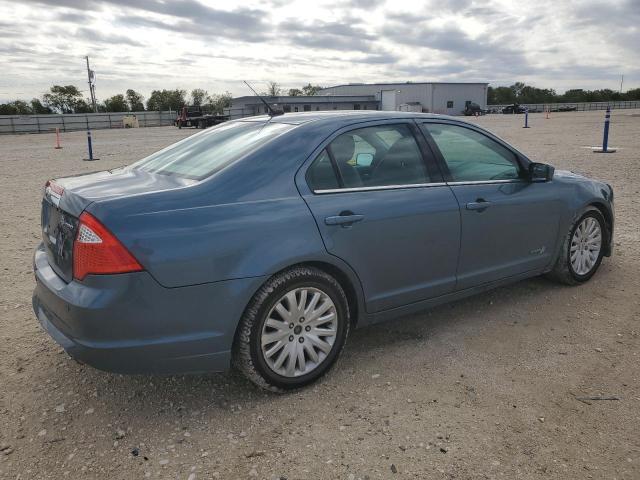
{"points": [[343, 147]]}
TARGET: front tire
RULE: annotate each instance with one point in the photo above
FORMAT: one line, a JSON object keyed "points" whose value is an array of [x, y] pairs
{"points": [[293, 330], [582, 249]]}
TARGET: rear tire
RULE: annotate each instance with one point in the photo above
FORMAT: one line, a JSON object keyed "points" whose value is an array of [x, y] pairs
{"points": [[584, 241], [293, 330]]}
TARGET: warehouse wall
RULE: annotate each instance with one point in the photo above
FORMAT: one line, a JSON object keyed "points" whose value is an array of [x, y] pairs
{"points": [[458, 94], [432, 96]]}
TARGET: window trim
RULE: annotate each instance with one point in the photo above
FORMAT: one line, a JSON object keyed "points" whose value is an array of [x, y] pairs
{"points": [[378, 187], [428, 158], [521, 161]]}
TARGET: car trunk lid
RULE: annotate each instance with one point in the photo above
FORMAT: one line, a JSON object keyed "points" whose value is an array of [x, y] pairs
{"points": [[65, 199]]}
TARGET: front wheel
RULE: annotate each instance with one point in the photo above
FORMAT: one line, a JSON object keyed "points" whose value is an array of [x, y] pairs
{"points": [[293, 329], [582, 249]]}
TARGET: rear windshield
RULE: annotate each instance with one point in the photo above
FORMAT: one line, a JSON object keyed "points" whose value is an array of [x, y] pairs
{"points": [[201, 155]]}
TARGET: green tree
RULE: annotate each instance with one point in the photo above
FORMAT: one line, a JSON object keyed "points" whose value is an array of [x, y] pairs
{"points": [[501, 96], [273, 89], [218, 102], [309, 89], [199, 97], [117, 103], [633, 94], [516, 88], [295, 92], [64, 99], [134, 99], [166, 99], [83, 106], [38, 108], [17, 107]]}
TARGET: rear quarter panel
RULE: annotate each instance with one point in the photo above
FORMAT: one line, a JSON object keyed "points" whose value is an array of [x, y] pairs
{"points": [[247, 220]]}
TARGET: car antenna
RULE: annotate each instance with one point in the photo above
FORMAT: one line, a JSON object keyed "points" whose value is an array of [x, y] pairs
{"points": [[272, 112]]}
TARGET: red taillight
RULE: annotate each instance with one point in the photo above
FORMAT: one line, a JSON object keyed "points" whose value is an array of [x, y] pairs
{"points": [[97, 251]]}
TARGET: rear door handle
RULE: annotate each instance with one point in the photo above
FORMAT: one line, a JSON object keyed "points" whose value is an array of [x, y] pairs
{"points": [[480, 204], [344, 220]]}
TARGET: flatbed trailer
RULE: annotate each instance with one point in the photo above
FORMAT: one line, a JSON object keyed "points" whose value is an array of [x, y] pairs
{"points": [[195, 117]]}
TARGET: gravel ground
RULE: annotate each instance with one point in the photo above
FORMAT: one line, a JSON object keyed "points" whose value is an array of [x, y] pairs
{"points": [[482, 388]]}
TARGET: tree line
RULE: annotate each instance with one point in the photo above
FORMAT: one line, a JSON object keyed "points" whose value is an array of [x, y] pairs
{"points": [[69, 99], [519, 92]]}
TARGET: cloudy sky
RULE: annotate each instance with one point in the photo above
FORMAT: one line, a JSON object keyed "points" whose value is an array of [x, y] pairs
{"points": [[149, 44]]}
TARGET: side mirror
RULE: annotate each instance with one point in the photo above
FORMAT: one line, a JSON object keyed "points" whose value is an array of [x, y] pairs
{"points": [[540, 172], [364, 159]]}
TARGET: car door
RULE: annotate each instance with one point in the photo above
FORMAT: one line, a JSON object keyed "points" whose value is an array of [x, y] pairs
{"points": [[509, 224], [382, 207]]}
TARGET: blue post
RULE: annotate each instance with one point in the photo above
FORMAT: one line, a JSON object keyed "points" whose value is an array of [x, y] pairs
{"points": [[90, 147], [526, 117], [89, 143], [605, 138]]}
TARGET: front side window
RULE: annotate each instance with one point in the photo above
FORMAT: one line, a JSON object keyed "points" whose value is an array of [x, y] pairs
{"points": [[472, 156], [384, 155], [203, 154]]}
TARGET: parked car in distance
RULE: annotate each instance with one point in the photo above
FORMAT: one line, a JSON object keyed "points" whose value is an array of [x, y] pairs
{"points": [[260, 243], [515, 108]]}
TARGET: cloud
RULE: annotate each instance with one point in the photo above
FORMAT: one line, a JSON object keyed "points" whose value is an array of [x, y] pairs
{"points": [[379, 58], [212, 45], [95, 36], [342, 36], [188, 27]]}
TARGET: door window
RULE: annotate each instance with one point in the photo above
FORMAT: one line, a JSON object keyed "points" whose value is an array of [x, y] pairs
{"points": [[472, 156], [384, 155]]}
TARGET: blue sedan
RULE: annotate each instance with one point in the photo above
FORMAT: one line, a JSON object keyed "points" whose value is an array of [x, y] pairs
{"points": [[261, 242]]}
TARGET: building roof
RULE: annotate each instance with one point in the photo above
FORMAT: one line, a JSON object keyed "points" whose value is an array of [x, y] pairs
{"points": [[307, 99], [404, 83]]}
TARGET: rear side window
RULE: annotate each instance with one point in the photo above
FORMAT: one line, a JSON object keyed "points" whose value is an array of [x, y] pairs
{"points": [[202, 155], [321, 175], [472, 156], [383, 155]]}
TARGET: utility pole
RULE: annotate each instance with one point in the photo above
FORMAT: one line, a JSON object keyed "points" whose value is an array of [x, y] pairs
{"points": [[91, 75], [621, 82]]}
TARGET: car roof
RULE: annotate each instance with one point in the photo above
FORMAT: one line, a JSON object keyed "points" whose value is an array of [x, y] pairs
{"points": [[342, 116]]}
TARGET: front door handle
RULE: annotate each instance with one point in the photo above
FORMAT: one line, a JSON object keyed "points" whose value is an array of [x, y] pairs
{"points": [[346, 219], [480, 205]]}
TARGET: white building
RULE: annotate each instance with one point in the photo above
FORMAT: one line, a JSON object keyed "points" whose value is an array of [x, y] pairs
{"points": [[432, 97], [252, 105]]}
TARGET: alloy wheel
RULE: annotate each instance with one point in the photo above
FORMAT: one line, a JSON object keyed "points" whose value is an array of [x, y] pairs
{"points": [[299, 332], [586, 244]]}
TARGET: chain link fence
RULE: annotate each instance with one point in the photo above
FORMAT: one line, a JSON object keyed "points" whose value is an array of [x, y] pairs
{"points": [[570, 107], [11, 124]]}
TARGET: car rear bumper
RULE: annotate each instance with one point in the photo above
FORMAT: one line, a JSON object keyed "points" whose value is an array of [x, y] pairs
{"points": [[129, 323]]}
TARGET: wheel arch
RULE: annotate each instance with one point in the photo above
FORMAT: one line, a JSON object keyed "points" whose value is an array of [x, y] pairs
{"points": [[343, 274], [608, 218], [345, 282]]}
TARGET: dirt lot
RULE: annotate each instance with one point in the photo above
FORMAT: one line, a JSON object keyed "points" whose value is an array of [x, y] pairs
{"points": [[484, 388]]}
